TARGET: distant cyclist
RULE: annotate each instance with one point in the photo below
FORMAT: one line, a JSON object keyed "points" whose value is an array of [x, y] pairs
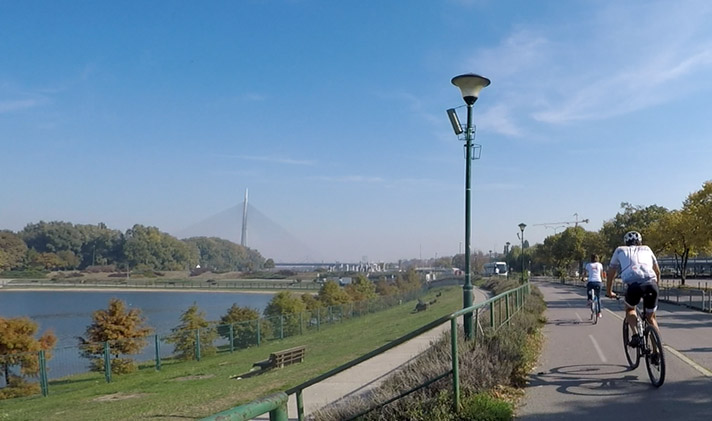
{"points": [[639, 270], [594, 269]]}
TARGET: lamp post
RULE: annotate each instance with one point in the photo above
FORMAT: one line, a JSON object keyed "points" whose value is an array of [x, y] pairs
{"points": [[470, 86], [521, 228]]}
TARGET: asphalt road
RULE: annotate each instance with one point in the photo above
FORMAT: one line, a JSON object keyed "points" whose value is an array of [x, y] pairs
{"points": [[583, 374]]}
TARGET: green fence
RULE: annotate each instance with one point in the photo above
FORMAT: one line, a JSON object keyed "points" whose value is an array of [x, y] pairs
{"points": [[95, 360], [495, 312]]}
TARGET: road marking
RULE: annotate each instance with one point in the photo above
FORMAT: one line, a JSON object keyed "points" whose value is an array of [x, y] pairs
{"points": [[579, 317], [680, 355], [598, 349]]}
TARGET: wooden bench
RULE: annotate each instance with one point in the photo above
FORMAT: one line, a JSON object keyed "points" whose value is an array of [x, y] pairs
{"points": [[282, 358]]}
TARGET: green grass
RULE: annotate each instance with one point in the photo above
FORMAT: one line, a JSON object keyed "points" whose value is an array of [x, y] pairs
{"points": [[197, 389]]}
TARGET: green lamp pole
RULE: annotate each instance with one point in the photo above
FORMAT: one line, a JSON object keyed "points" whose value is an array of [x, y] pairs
{"points": [[521, 228], [470, 86]]}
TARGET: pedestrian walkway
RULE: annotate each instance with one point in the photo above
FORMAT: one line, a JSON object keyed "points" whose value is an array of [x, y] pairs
{"points": [[367, 375]]}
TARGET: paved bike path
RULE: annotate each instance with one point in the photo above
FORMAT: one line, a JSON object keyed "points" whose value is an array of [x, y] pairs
{"points": [[582, 373]]}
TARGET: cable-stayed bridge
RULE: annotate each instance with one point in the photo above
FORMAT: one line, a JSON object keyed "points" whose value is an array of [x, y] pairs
{"points": [[263, 234]]}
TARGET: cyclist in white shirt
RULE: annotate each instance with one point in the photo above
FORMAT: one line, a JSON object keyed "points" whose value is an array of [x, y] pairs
{"points": [[639, 270], [594, 269]]}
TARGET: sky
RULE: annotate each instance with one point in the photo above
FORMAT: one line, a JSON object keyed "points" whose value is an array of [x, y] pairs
{"points": [[333, 115]]}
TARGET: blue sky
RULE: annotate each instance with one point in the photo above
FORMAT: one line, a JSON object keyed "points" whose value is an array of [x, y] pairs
{"points": [[333, 115]]}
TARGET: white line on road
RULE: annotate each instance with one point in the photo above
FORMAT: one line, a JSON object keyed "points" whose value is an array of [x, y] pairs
{"points": [[598, 349], [680, 355], [579, 317]]}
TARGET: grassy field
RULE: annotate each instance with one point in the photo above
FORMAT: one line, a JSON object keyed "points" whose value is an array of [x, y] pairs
{"points": [[189, 390]]}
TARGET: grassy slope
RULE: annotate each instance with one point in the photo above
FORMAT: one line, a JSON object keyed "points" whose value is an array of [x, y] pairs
{"points": [[165, 395]]}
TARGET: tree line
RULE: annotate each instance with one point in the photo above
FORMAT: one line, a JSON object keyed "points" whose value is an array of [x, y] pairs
{"points": [[679, 233], [65, 246]]}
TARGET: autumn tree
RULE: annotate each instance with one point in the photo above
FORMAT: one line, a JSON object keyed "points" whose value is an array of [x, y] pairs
{"points": [[361, 289], [244, 325], [18, 347], [193, 327], [125, 331], [12, 250], [686, 232], [283, 312]]}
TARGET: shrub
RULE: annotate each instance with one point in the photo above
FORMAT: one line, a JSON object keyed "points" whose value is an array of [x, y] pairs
{"points": [[483, 407]]}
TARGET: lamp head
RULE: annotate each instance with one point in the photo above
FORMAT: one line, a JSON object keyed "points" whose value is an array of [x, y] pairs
{"points": [[470, 85], [522, 226]]}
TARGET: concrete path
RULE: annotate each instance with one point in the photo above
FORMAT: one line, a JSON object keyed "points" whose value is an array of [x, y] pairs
{"points": [[583, 374], [368, 374]]}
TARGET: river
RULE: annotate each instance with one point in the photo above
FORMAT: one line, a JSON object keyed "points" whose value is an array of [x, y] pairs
{"points": [[68, 313]]}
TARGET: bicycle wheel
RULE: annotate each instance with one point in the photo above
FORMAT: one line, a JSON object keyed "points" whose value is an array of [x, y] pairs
{"points": [[631, 354], [594, 311], [654, 356]]}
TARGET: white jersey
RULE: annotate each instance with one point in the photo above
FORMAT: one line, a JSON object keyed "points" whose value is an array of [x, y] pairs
{"points": [[594, 270], [634, 263]]}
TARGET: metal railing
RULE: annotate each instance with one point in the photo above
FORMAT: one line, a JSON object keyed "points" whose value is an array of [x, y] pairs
{"points": [[671, 291], [501, 309]]}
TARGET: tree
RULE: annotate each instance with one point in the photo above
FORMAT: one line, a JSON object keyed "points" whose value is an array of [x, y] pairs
{"points": [[123, 329], [698, 207], [685, 233], [283, 312], [410, 282], [633, 218], [221, 255], [18, 347], [185, 335], [149, 247], [385, 288], [311, 302], [331, 294], [269, 264], [244, 325], [12, 250], [361, 289]]}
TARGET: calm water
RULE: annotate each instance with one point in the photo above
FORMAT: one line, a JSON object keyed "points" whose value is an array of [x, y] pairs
{"points": [[68, 313]]}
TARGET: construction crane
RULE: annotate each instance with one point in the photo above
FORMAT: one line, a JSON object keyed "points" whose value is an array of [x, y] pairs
{"points": [[564, 223]]}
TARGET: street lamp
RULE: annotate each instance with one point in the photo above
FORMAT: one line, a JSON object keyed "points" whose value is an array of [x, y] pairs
{"points": [[470, 86], [521, 228]]}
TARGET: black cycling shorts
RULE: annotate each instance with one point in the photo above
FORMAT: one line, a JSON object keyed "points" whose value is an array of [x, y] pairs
{"points": [[648, 291]]}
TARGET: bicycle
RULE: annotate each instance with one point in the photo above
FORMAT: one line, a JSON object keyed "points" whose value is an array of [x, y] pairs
{"points": [[650, 346], [595, 304]]}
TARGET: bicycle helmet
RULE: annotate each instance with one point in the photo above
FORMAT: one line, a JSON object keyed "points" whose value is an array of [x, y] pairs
{"points": [[633, 238]]}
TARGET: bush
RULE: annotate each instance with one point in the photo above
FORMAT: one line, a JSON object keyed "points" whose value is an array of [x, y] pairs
{"points": [[483, 407], [18, 387]]}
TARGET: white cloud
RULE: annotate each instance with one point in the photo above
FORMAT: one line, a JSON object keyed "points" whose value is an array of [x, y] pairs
{"points": [[625, 57]]}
